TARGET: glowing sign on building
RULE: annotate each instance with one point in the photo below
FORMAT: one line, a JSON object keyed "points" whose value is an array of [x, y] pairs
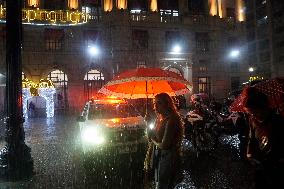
{"points": [[45, 17]]}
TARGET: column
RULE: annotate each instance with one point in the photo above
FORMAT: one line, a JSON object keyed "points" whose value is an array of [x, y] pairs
{"points": [[15, 158]]}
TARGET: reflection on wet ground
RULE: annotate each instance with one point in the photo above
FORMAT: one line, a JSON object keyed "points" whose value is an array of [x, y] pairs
{"points": [[59, 162]]}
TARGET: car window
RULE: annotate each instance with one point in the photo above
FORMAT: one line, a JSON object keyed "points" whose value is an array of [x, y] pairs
{"points": [[107, 111]]}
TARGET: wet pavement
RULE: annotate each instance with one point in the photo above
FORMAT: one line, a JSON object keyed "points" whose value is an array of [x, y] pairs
{"points": [[59, 162]]}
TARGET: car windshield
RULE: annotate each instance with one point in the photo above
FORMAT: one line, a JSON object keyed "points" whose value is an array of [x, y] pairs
{"points": [[108, 111]]}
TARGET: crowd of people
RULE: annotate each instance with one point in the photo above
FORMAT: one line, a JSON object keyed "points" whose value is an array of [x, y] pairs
{"points": [[259, 127]]}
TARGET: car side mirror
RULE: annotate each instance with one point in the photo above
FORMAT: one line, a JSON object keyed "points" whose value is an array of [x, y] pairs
{"points": [[81, 119]]}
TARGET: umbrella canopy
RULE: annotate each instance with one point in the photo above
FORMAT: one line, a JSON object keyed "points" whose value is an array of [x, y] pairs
{"points": [[146, 83], [273, 88]]}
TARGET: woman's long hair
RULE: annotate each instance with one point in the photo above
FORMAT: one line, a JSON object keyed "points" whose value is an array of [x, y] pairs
{"points": [[171, 108], [168, 101]]}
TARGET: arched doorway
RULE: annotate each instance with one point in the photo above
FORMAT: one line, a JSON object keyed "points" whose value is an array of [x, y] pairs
{"points": [[93, 81], [38, 99], [39, 109], [175, 70], [60, 81]]}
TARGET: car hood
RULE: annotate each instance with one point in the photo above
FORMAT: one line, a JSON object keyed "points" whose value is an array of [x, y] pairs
{"points": [[129, 122]]}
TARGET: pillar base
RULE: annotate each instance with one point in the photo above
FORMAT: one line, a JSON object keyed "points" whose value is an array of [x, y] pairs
{"points": [[16, 163]]}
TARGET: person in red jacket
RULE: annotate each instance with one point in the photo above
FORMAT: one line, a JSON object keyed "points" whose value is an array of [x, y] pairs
{"points": [[266, 141]]}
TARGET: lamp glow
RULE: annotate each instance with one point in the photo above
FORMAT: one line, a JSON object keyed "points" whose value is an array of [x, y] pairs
{"points": [[234, 53], [94, 50], [91, 135], [251, 69], [151, 126], [176, 49]]}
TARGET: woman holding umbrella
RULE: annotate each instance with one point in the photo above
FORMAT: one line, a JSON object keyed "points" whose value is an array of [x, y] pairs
{"points": [[266, 141], [167, 139]]}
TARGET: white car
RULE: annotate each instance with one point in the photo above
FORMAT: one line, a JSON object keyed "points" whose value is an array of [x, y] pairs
{"points": [[111, 126]]}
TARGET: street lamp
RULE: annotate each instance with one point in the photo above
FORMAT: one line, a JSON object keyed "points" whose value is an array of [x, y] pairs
{"points": [[93, 50], [176, 49], [251, 69], [235, 53]]}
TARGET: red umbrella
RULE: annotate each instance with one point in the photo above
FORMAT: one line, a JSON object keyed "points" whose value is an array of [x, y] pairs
{"points": [[146, 83], [273, 88]]}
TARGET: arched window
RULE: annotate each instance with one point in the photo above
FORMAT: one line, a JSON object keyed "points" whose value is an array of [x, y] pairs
{"points": [[93, 81], [58, 77], [60, 80]]}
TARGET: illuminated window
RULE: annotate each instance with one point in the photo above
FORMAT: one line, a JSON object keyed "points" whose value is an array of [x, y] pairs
{"points": [[93, 81], [204, 85], [166, 14], [58, 77], [54, 39], [94, 12], [141, 64], [94, 75]]}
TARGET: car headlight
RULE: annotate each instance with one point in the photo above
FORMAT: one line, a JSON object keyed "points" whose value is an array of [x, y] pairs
{"points": [[151, 126], [91, 135]]}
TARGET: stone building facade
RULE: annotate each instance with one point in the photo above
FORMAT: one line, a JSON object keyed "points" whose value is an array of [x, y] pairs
{"points": [[265, 37], [193, 38]]}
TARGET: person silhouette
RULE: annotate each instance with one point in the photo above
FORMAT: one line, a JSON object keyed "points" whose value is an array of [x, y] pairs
{"points": [[265, 146]]}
